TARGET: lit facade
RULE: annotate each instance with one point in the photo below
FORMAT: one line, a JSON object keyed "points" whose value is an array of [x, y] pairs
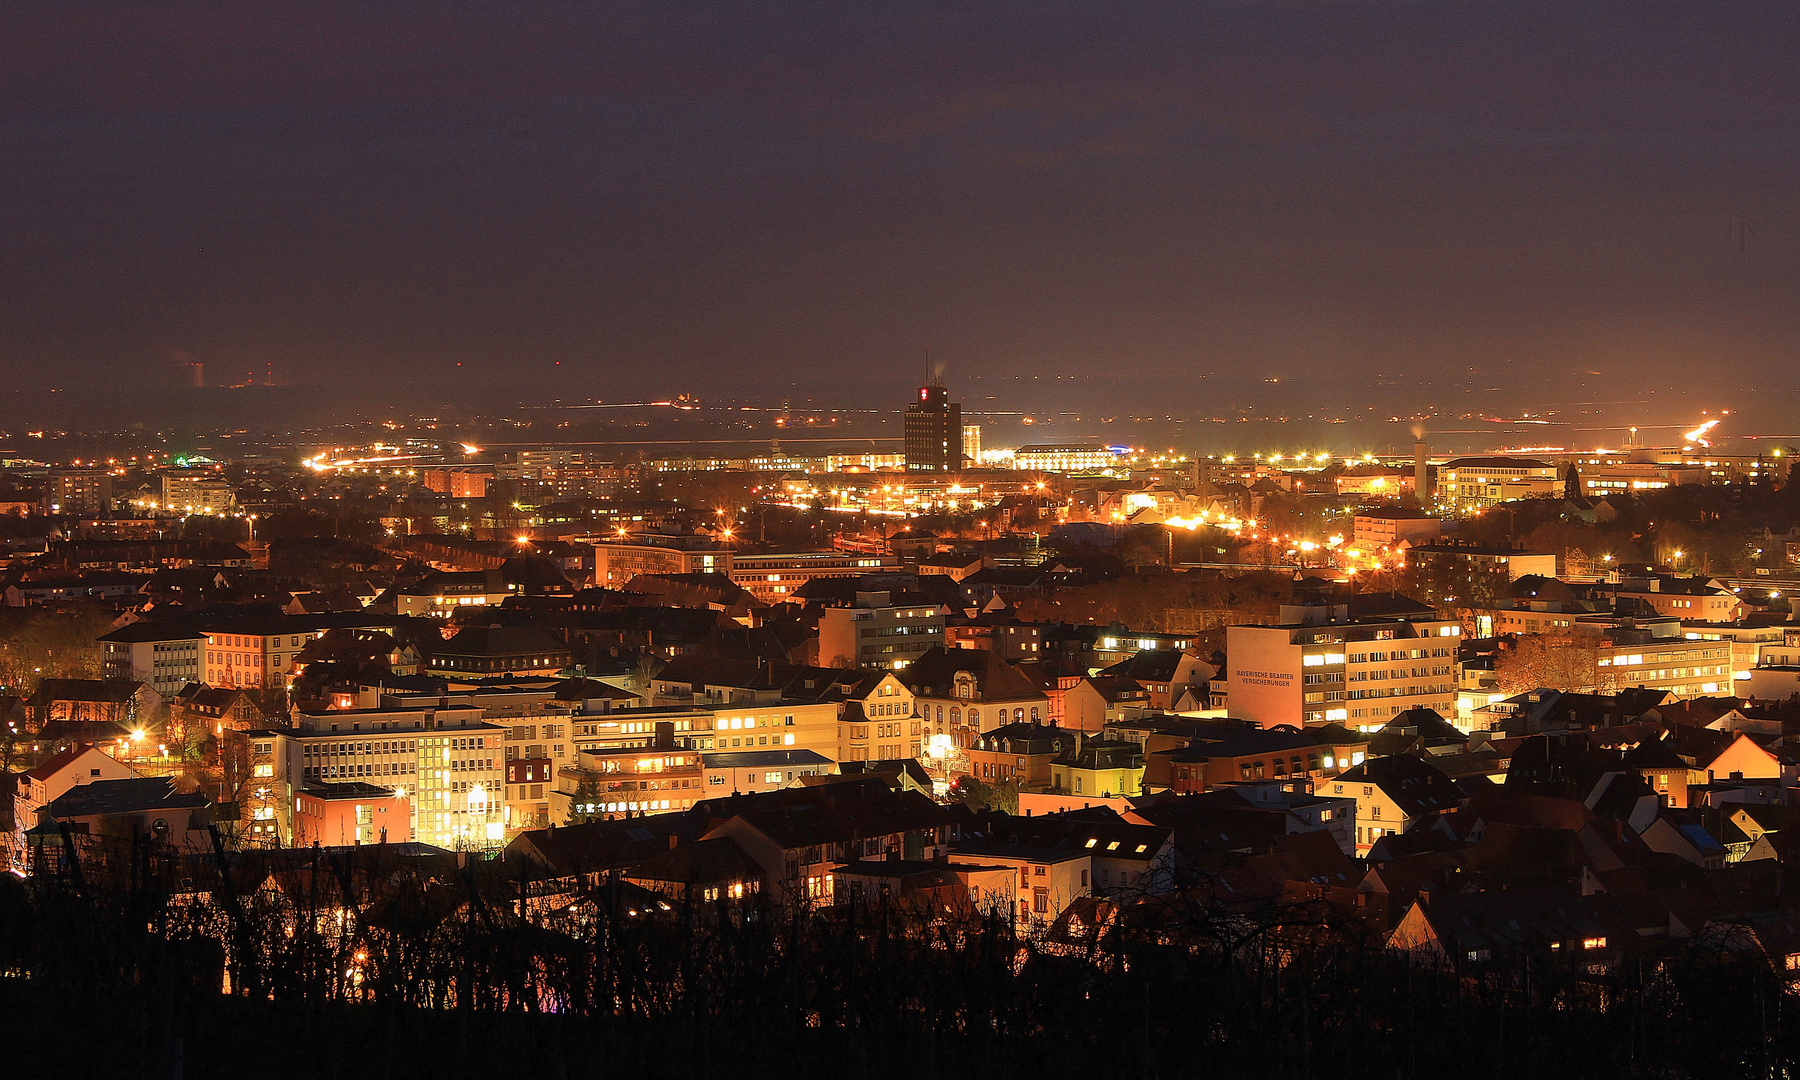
{"points": [[1472, 484], [618, 561], [1378, 529], [194, 493], [448, 762], [165, 658], [1359, 674], [776, 577], [340, 815], [878, 634], [255, 660], [1068, 459], [456, 483], [78, 491]]}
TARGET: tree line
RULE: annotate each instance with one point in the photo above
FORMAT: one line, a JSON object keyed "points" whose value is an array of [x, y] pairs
{"points": [[353, 964]]}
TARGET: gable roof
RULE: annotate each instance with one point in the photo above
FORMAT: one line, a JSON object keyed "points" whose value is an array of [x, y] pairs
{"points": [[601, 845], [498, 640], [934, 674], [61, 761], [698, 862], [1148, 665], [1414, 785], [1512, 918], [108, 691], [123, 797]]}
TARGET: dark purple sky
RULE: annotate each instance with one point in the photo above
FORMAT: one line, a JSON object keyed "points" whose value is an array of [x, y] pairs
{"points": [[793, 198]]}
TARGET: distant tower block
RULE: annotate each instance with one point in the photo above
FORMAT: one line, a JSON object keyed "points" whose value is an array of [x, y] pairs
{"points": [[933, 431], [971, 444]]}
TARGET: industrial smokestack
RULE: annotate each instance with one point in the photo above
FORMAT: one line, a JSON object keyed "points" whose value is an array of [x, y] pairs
{"points": [[1421, 471], [196, 374]]}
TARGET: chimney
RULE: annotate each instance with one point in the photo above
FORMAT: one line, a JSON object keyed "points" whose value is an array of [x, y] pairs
{"points": [[1421, 472]]}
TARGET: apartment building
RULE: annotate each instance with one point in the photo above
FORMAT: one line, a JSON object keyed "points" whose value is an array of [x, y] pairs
{"points": [[881, 725], [1383, 527], [1470, 485], [1326, 664], [456, 483], [1060, 458], [1658, 654], [617, 561], [448, 761], [665, 777], [260, 652], [442, 592], [165, 655], [1701, 598], [962, 693], [78, 491], [777, 577], [1516, 562], [880, 630], [193, 493]]}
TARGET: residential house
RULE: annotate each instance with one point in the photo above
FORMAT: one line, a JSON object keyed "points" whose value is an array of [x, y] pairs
{"points": [[1090, 702], [1472, 929], [351, 813], [1165, 674], [50, 780], [1100, 767], [1020, 754], [1392, 795], [798, 835], [150, 806], [961, 693]]}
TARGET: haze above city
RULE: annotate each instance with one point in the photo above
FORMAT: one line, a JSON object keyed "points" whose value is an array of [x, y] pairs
{"points": [[1352, 211]]}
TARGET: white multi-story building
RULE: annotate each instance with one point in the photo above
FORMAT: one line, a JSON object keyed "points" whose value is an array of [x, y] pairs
{"points": [[1067, 459], [776, 577], [194, 493], [448, 762], [1473, 484], [162, 654]]}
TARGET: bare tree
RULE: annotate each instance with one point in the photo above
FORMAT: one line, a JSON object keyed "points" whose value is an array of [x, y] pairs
{"points": [[1567, 662]]}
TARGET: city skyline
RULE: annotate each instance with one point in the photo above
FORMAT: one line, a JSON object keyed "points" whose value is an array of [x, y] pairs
{"points": [[1004, 538]]}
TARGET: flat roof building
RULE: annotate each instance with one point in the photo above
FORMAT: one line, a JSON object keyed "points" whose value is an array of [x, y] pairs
{"points": [[934, 432], [1333, 664]]}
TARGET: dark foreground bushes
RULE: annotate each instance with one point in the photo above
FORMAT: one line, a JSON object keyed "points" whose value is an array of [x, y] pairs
{"points": [[463, 980]]}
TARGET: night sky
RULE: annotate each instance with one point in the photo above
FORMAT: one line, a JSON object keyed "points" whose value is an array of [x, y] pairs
{"points": [[1390, 202]]}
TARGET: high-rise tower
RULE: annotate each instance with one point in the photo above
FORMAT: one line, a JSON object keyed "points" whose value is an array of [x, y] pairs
{"points": [[934, 431]]}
